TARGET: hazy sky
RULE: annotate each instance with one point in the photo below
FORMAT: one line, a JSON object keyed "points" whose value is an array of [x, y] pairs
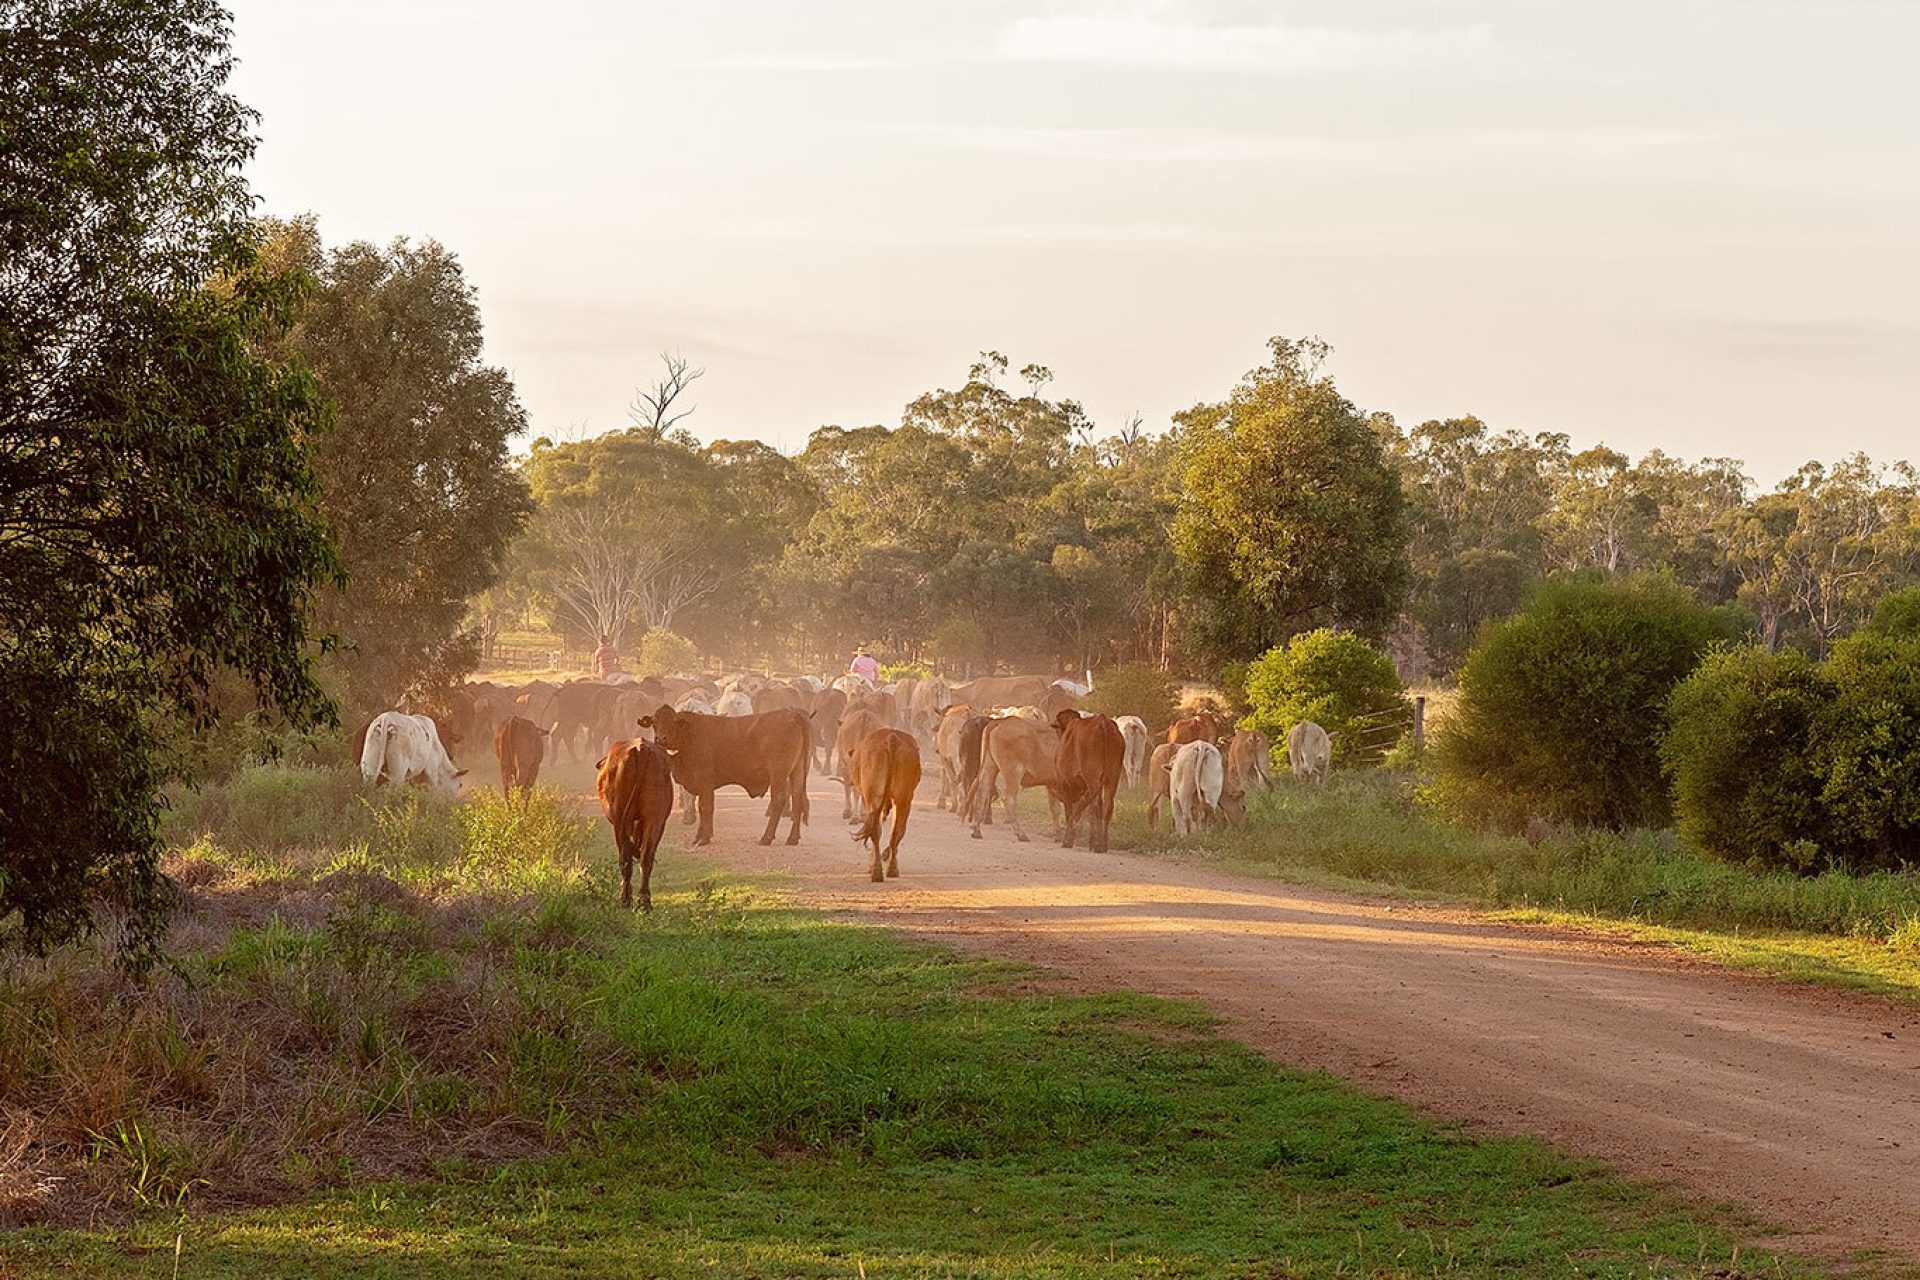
{"points": [[1679, 224]]}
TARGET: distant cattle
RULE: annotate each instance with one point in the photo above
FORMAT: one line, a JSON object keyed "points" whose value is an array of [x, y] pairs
{"points": [[1159, 781], [1091, 757], [853, 686], [519, 744], [883, 704], [1249, 761], [1016, 754], [636, 793], [854, 728], [903, 691], [1194, 726], [1054, 701], [1198, 776], [828, 708], [1001, 691], [763, 755], [972, 737], [400, 748], [734, 703], [1309, 752], [946, 749], [775, 697], [1139, 746], [886, 770], [922, 713]]}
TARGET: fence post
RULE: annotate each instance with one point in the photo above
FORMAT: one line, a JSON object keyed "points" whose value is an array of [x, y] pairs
{"points": [[1419, 723]]}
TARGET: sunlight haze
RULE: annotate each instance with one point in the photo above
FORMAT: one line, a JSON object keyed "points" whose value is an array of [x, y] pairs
{"points": [[1687, 226]]}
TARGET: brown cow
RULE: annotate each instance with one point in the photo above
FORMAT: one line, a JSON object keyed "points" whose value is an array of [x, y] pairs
{"points": [[886, 768], [775, 697], [636, 794], [827, 710], [1025, 755], [1053, 702], [519, 744], [1002, 691], [972, 733], [1194, 726], [1092, 756], [1249, 759], [762, 755], [854, 728], [1159, 781], [946, 748]]}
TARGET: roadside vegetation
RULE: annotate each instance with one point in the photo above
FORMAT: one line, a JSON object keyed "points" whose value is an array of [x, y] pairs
{"points": [[409, 1038]]}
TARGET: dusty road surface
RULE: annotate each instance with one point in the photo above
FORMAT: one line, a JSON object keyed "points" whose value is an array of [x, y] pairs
{"points": [[1800, 1103]]}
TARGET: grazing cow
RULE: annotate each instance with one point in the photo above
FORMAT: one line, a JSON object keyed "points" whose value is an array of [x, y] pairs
{"points": [[519, 744], [1001, 691], [733, 703], [400, 748], [886, 769], [1139, 746], [854, 728], [1159, 781], [946, 748], [827, 710], [930, 699], [762, 755], [636, 794], [1091, 758], [1249, 761], [1198, 776], [775, 697], [1025, 755], [1194, 726], [1309, 752]]}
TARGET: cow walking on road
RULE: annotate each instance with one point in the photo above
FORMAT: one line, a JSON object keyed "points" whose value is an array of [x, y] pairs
{"points": [[636, 793], [886, 770]]}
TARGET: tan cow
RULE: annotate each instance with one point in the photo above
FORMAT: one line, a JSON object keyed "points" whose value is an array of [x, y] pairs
{"points": [[1159, 782], [1249, 759], [1017, 754], [930, 698], [1309, 752], [1198, 775], [1001, 691], [1139, 746], [946, 746], [883, 705], [886, 770], [855, 725]]}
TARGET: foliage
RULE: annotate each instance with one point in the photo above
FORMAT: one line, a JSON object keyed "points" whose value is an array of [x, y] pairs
{"points": [[665, 653], [1562, 707], [158, 533], [1134, 689], [892, 671], [1338, 681], [1290, 515], [414, 477]]}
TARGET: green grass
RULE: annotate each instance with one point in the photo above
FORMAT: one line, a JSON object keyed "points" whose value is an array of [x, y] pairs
{"points": [[1368, 832]]}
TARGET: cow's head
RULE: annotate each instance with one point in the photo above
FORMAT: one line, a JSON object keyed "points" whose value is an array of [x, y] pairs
{"points": [[1064, 718], [669, 727]]}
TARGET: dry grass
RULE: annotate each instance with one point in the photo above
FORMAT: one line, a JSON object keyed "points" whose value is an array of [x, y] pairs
{"points": [[325, 1018]]}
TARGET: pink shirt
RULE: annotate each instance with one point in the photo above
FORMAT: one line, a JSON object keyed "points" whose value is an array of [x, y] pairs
{"points": [[866, 666]]}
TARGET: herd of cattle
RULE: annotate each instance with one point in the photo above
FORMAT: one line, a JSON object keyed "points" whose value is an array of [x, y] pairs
{"points": [[992, 738]]}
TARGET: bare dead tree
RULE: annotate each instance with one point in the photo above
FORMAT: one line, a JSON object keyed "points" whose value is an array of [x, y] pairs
{"points": [[653, 407], [604, 575]]}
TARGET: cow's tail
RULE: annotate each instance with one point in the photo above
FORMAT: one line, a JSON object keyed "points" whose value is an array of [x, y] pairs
{"points": [[626, 815]]}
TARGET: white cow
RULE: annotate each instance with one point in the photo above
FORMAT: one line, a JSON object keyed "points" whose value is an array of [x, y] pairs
{"points": [[1139, 743], [923, 712], [1309, 751], [733, 703], [401, 747], [693, 702], [1198, 777], [853, 686]]}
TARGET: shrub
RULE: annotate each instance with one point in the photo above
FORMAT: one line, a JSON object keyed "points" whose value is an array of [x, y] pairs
{"points": [[1338, 681], [1135, 689], [1739, 749], [665, 653], [892, 671], [1867, 744], [1562, 707]]}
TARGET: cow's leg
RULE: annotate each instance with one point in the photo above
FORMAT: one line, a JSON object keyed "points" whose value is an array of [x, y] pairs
{"points": [[647, 849], [797, 802], [875, 871], [623, 839], [777, 801], [1013, 808], [703, 834], [689, 808], [900, 815]]}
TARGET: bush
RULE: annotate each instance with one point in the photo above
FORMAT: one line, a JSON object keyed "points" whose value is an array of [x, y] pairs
{"points": [[1562, 707], [1339, 682], [1867, 744], [1135, 689], [665, 653], [892, 671], [1739, 748]]}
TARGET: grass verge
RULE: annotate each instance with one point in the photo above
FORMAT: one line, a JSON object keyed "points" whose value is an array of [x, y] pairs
{"points": [[776, 1094], [1368, 832]]}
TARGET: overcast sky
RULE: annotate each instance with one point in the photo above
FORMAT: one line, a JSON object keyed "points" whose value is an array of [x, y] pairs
{"points": [[1684, 224]]}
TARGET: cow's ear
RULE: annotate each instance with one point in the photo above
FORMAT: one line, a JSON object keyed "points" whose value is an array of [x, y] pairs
{"points": [[459, 773], [601, 763]]}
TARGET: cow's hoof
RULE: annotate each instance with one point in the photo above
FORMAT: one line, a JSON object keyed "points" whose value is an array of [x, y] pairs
{"points": [[1021, 837], [794, 838], [893, 873], [976, 833], [646, 906], [765, 840], [877, 876]]}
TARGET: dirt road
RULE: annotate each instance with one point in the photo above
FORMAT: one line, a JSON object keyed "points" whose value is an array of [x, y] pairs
{"points": [[1800, 1103]]}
